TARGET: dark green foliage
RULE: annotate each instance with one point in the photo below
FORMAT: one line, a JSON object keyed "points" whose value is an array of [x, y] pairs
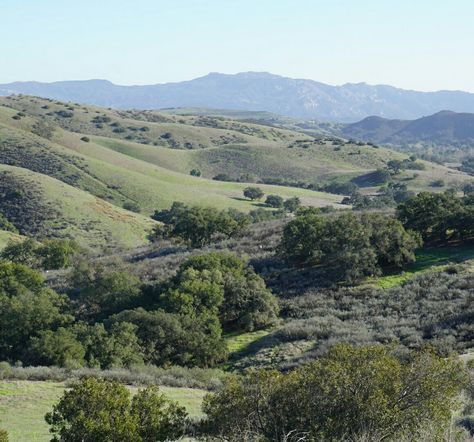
{"points": [[102, 291], [56, 253], [7, 225], [101, 119], [27, 307], [22, 252], [199, 226], [340, 188], [174, 339], [99, 410], [132, 206], [59, 347], [292, 204], [3, 436], [223, 177], [394, 166], [397, 192], [253, 193], [105, 349], [352, 393], [195, 172], [439, 217], [85, 139], [348, 245], [222, 284], [274, 201], [51, 255], [64, 114], [437, 183], [158, 418]]}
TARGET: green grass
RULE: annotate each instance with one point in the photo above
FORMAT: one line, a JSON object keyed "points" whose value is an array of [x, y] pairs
{"points": [[238, 342], [152, 168], [89, 220], [428, 259], [5, 237], [23, 405]]}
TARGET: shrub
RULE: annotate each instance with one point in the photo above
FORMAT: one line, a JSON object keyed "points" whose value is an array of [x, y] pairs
{"points": [[95, 410], [274, 201], [3, 436], [85, 139], [132, 206], [253, 193], [351, 393]]}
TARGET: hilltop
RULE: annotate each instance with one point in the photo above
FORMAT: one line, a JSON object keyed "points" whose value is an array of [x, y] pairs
{"points": [[256, 91], [443, 127]]}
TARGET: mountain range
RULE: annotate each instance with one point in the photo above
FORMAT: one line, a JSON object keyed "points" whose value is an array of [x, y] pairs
{"points": [[443, 127], [257, 91]]}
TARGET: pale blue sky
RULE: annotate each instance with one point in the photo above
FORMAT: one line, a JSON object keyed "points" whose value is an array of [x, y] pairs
{"points": [[417, 44]]}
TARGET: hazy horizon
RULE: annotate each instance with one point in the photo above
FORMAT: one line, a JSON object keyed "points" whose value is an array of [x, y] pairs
{"points": [[423, 46], [237, 73]]}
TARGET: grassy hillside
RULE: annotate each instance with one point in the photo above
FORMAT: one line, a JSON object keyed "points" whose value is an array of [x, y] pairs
{"points": [[226, 143], [5, 237], [41, 206], [23, 405], [83, 164], [121, 176]]}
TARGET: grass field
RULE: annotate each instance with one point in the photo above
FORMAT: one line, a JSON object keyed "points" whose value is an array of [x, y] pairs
{"points": [[23, 405], [429, 259], [238, 342]]}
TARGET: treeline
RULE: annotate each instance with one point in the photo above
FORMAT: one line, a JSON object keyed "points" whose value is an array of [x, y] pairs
{"points": [[352, 246]]}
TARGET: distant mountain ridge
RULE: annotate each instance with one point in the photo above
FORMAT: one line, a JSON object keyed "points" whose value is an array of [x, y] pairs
{"points": [[443, 127], [257, 91]]}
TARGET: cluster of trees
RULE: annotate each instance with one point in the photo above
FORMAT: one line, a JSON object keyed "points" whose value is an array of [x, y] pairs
{"points": [[351, 393], [198, 226], [49, 255], [439, 217], [274, 201], [109, 320], [388, 196], [350, 246]]}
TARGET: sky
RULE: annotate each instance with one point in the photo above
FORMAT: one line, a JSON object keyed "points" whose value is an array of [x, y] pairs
{"points": [[416, 44]]}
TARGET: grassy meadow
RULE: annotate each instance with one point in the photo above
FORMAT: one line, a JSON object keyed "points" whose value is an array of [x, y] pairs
{"points": [[23, 405]]}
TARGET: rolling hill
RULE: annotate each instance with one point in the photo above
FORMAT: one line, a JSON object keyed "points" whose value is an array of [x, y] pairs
{"points": [[444, 127], [81, 165], [257, 91]]}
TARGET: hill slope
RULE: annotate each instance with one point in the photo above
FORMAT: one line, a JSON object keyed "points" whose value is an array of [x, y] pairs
{"points": [[443, 127], [258, 92], [44, 207]]}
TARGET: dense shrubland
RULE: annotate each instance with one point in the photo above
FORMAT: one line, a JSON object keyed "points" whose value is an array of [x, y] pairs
{"points": [[365, 393], [110, 320]]}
